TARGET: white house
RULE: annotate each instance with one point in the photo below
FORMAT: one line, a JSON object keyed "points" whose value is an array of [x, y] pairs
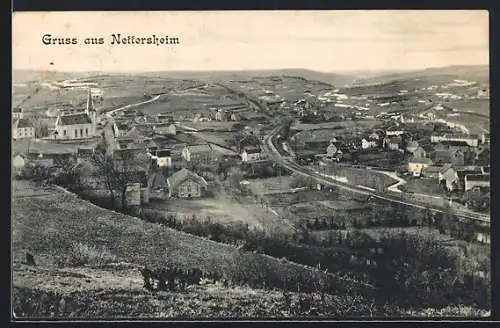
{"points": [[367, 144], [251, 154], [23, 129], [17, 113], [417, 164], [331, 150], [163, 157], [18, 162], [476, 180], [394, 131], [166, 128]]}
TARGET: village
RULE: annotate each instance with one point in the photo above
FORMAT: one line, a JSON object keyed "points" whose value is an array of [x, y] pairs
{"points": [[183, 156]]}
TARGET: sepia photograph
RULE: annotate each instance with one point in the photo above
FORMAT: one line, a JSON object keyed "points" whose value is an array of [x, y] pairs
{"points": [[250, 165]]}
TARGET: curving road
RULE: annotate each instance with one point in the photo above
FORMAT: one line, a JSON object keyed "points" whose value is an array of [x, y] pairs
{"points": [[276, 156]]}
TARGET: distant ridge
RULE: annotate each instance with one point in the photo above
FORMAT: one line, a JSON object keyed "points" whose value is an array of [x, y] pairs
{"points": [[477, 72]]}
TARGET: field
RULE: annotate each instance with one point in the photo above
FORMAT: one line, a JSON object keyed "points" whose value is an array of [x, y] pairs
{"points": [[422, 186], [479, 106], [270, 185], [365, 124], [218, 209], [474, 123]]}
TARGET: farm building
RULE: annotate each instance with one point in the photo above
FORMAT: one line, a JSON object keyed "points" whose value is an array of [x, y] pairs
{"points": [[165, 128], [22, 129], [17, 113], [449, 177], [18, 163], [163, 157], [476, 180], [186, 184], [251, 154], [198, 153], [157, 185], [417, 164]]}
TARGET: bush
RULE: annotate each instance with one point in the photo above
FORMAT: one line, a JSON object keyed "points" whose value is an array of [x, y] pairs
{"points": [[83, 254]]}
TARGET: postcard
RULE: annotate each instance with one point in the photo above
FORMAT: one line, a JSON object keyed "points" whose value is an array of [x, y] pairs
{"points": [[250, 165]]}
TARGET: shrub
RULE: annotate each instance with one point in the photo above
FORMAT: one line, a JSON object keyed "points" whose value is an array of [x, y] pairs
{"points": [[83, 254]]}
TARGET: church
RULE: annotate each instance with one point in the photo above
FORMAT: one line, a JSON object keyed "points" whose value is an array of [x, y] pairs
{"points": [[79, 125]]}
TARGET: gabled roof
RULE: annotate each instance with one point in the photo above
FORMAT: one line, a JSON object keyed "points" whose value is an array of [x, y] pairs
{"points": [[477, 177], [180, 176], [72, 119], [133, 134], [199, 148], [419, 160], [252, 150], [22, 123], [156, 180], [445, 167]]}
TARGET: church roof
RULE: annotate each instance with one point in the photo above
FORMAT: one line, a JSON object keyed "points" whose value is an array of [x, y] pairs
{"points": [[72, 119]]}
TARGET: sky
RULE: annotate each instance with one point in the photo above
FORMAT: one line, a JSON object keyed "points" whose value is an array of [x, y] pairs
{"points": [[326, 41]]}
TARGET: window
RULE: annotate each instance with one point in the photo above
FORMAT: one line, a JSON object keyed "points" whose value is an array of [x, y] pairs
{"points": [[76, 133], [81, 132], [64, 132], [189, 187], [87, 132]]}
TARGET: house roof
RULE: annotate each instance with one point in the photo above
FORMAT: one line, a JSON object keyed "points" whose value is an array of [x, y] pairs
{"points": [[71, 119], [431, 169], [394, 140], [477, 177], [454, 143], [180, 176], [420, 160], [445, 167], [156, 180], [164, 153], [199, 148], [133, 134], [252, 150], [22, 123]]}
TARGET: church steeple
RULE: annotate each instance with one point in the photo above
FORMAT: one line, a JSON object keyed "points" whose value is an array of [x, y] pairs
{"points": [[90, 103]]}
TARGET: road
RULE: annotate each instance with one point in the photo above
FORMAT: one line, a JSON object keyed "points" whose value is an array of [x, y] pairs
{"points": [[275, 155]]}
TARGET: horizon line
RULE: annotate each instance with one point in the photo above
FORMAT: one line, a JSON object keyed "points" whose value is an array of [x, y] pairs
{"points": [[250, 70]]}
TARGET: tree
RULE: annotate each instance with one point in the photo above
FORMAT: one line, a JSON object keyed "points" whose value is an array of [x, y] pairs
{"points": [[125, 171], [70, 172], [105, 170]]}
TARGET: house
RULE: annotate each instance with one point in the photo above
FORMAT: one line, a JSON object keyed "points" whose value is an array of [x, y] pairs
{"points": [[78, 125], [394, 131], [367, 144], [234, 117], [374, 136], [449, 177], [165, 128], [22, 129], [251, 154], [331, 150], [220, 115], [431, 171], [419, 152], [163, 157], [476, 180], [412, 146], [483, 157], [198, 153], [133, 135], [416, 165], [471, 140], [186, 184], [18, 163], [157, 185], [17, 113], [392, 143], [457, 157]]}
